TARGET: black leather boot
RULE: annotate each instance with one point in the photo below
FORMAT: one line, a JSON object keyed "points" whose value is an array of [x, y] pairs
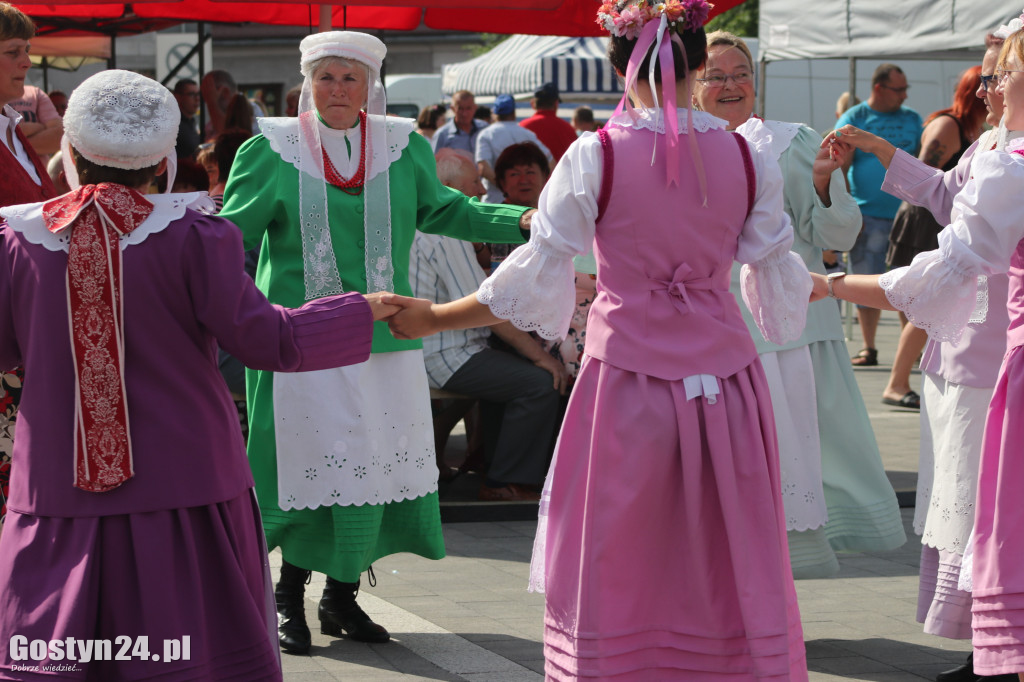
{"points": [[964, 673], [339, 611], [292, 631]]}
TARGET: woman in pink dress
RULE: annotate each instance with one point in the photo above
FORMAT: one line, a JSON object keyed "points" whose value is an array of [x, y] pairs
{"points": [[938, 292], [661, 544]]}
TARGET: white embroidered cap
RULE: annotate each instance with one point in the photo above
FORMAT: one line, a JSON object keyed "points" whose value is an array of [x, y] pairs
{"points": [[320, 263], [361, 47], [122, 119]]}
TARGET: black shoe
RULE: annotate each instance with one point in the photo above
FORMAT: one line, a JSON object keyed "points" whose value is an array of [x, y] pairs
{"points": [[1008, 677], [964, 673], [339, 612], [292, 631]]}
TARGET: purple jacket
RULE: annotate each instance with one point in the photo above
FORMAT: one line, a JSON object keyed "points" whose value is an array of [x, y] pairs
{"points": [[184, 292]]}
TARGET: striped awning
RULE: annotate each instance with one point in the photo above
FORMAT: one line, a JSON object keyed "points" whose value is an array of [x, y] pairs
{"points": [[521, 64]]}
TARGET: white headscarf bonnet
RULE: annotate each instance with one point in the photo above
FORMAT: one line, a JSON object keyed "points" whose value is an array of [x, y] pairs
{"points": [[320, 267], [121, 119]]}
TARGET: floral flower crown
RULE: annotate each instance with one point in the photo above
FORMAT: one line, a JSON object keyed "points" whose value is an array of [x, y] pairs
{"points": [[626, 18], [1006, 30]]}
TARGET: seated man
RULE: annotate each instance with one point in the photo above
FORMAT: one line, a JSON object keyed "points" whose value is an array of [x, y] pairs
{"points": [[519, 391]]}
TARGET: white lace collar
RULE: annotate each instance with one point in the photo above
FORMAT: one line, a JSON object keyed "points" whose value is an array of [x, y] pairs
{"points": [[283, 135], [771, 136], [27, 219], [646, 119]]}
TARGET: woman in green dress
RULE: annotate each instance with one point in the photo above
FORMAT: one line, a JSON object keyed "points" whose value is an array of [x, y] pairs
{"points": [[343, 460]]}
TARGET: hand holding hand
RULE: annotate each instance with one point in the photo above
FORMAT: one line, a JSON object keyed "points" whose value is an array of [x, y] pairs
{"points": [[820, 287], [828, 159], [381, 310], [414, 318]]}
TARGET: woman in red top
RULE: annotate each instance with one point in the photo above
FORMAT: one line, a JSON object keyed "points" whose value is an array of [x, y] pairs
{"points": [[23, 179]]}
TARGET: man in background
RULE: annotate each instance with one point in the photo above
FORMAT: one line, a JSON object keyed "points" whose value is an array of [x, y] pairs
{"points": [[883, 114], [461, 131], [555, 133], [186, 93], [519, 389]]}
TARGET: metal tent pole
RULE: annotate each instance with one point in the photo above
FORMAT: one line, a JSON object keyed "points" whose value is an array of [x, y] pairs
{"points": [[848, 309]]}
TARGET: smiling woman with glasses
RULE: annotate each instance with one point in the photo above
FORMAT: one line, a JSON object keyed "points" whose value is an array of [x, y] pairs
{"points": [[718, 80], [824, 215]]}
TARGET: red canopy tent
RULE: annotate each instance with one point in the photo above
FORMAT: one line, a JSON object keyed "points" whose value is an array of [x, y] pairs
{"points": [[535, 17]]}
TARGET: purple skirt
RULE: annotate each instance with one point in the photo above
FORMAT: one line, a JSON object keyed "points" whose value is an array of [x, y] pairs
{"points": [[199, 573]]}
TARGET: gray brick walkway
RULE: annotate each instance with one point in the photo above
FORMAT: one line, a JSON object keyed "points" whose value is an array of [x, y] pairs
{"points": [[469, 617]]}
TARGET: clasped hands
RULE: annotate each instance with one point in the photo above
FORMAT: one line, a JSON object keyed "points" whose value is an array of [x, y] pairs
{"points": [[408, 318]]}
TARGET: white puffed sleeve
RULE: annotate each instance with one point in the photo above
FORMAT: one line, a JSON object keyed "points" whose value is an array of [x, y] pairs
{"points": [[535, 288], [938, 291], [774, 281]]}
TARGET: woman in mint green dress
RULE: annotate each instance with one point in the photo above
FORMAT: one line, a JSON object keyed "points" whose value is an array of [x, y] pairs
{"points": [[344, 460]]}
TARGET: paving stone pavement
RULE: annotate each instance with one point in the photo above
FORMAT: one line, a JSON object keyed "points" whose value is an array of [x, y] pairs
{"points": [[469, 616]]}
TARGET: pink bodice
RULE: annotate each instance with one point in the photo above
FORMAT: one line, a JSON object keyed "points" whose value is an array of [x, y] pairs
{"points": [[1015, 299], [663, 278]]}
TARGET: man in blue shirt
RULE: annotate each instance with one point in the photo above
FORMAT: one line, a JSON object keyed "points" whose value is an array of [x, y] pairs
{"points": [[884, 115], [461, 131]]}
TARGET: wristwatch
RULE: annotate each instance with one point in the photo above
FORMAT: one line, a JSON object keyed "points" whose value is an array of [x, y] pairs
{"points": [[832, 278]]}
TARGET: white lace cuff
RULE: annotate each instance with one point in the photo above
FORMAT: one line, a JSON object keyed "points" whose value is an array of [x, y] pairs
{"points": [[933, 295], [777, 290], [535, 290]]}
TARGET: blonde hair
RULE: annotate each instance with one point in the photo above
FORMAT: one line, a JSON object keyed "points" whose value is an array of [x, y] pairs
{"points": [[1013, 47], [845, 101], [727, 39]]}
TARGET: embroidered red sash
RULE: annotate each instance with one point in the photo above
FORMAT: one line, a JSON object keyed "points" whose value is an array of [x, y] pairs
{"points": [[97, 215]]}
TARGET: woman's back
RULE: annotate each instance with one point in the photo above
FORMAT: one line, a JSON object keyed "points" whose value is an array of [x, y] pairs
{"points": [[663, 305]]}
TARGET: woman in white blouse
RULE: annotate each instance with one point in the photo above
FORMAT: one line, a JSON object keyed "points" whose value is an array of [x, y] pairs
{"points": [[938, 293]]}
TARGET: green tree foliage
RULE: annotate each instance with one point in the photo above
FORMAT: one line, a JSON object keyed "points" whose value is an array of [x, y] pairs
{"points": [[740, 20], [488, 41]]}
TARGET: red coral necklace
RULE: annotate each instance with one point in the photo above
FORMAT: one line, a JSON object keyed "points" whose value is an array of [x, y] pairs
{"points": [[353, 185]]}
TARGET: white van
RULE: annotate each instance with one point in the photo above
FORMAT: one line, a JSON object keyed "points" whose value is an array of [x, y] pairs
{"points": [[409, 93]]}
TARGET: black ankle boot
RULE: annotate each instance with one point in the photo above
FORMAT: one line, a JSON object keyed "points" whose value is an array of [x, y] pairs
{"points": [[292, 631], [964, 673], [339, 611]]}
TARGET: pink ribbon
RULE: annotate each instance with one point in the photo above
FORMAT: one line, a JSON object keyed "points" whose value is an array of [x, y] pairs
{"points": [[653, 33]]}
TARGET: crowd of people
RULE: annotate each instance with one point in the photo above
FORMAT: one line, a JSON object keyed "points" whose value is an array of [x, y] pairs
{"points": [[647, 337]]}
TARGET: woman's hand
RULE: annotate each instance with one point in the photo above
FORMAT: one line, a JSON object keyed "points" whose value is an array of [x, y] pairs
{"points": [[825, 162], [414, 318], [526, 219], [844, 141], [562, 378], [820, 288], [381, 310]]}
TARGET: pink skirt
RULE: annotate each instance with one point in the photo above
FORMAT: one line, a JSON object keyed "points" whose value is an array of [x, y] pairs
{"points": [[999, 529], [200, 573], [666, 547], [943, 608]]}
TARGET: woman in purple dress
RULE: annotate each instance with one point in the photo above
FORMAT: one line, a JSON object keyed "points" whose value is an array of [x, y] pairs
{"points": [[133, 529]]}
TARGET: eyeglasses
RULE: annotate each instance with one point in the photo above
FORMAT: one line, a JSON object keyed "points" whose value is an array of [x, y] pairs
{"points": [[714, 82], [902, 90], [988, 82], [1003, 74]]}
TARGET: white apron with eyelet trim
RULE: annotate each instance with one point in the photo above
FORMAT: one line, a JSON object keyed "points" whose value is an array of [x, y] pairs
{"points": [[355, 435]]}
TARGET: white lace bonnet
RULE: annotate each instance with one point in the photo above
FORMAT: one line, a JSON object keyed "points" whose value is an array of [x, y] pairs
{"points": [[320, 268], [121, 119]]}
